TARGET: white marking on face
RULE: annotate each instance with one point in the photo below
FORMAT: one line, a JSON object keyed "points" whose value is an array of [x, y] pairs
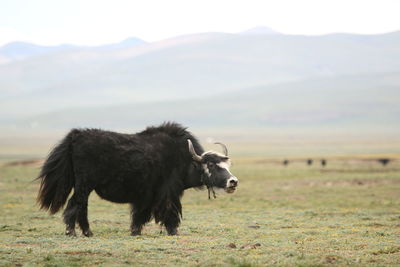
{"points": [[206, 170], [225, 165], [232, 181]]}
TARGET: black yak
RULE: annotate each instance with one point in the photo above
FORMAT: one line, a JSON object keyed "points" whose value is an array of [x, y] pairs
{"points": [[323, 162], [150, 170], [384, 161]]}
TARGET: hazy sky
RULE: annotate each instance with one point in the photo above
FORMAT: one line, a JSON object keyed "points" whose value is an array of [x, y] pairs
{"points": [[90, 22]]}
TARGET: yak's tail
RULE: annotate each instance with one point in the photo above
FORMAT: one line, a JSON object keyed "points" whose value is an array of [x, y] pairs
{"points": [[57, 177]]}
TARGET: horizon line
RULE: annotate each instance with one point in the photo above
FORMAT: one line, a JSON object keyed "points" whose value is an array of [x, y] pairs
{"points": [[273, 33]]}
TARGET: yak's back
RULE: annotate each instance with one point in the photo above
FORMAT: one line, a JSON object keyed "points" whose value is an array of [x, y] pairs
{"points": [[173, 131], [169, 128], [164, 139]]}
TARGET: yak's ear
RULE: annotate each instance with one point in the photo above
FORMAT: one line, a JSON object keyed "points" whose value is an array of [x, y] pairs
{"points": [[192, 152]]}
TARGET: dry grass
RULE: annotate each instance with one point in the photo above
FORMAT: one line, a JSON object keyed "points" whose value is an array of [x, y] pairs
{"points": [[347, 213]]}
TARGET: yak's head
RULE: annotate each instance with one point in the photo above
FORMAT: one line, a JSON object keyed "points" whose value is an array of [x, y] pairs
{"points": [[216, 169]]}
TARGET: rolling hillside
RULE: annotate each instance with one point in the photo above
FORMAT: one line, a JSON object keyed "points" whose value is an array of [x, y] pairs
{"points": [[209, 79], [347, 101]]}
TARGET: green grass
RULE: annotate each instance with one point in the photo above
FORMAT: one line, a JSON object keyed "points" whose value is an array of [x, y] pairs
{"points": [[347, 213]]}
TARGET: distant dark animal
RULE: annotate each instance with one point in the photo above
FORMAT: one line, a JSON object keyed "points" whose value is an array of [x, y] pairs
{"points": [[384, 161], [286, 162], [323, 162], [150, 170], [309, 162]]}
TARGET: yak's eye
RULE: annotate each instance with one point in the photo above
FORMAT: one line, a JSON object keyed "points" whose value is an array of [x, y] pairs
{"points": [[211, 164]]}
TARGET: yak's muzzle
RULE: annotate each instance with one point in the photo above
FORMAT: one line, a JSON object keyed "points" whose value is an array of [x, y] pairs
{"points": [[231, 184]]}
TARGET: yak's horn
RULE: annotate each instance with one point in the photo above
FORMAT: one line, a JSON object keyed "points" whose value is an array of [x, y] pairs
{"points": [[224, 147], [191, 150]]}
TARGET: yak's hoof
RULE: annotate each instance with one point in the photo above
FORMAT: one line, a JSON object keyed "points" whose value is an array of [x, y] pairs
{"points": [[135, 233], [136, 230], [70, 232], [87, 233]]}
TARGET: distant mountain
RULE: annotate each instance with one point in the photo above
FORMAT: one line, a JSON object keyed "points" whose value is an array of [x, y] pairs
{"points": [[22, 50], [130, 42], [260, 30]]}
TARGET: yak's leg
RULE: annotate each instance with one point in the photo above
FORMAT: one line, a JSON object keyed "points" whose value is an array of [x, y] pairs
{"points": [[139, 218], [69, 214], [81, 194], [171, 218], [82, 214]]}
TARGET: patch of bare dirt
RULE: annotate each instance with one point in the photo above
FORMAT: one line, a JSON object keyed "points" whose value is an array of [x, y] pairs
{"points": [[191, 249], [350, 182], [297, 198], [87, 253], [331, 259], [251, 246], [231, 245], [19, 245], [107, 222], [366, 170], [32, 162]]}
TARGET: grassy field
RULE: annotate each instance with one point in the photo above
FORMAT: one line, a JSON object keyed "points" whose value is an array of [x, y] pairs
{"points": [[346, 213]]}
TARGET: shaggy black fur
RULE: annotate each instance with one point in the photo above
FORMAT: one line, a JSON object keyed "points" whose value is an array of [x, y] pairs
{"points": [[150, 170]]}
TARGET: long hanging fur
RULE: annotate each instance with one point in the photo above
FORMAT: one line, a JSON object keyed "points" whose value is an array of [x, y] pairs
{"points": [[57, 178]]}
